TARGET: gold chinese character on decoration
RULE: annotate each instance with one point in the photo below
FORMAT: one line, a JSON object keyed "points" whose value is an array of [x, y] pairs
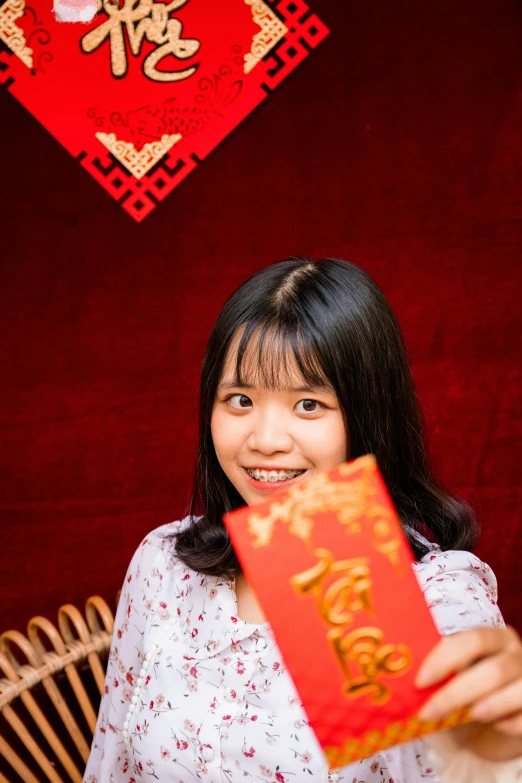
{"points": [[142, 20], [349, 592], [363, 657]]}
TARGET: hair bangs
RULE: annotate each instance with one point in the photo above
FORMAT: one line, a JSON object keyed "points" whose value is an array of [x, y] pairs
{"points": [[277, 356]]}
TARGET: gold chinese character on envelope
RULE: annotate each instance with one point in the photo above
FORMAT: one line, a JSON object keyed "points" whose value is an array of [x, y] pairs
{"points": [[332, 569]]}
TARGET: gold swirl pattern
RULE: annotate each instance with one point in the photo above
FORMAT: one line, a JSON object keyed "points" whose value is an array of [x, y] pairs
{"points": [[272, 30], [138, 163], [350, 501], [304, 501], [400, 731], [12, 35]]}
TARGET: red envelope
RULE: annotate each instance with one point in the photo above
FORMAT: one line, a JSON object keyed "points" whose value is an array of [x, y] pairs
{"points": [[332, 570]]}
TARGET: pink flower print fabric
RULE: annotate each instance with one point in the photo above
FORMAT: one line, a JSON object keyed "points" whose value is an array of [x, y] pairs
{"points": [[210, 697]]}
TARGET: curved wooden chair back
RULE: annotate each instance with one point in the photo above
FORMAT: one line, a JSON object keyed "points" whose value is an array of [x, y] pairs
{"points": [[51, 683]]}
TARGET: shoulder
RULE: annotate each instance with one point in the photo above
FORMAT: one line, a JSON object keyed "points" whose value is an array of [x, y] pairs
{"points": [[156, 555], [163, 536], [460, 590]]}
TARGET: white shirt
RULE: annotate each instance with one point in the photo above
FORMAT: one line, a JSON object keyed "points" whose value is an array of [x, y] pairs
{"points": [[193, 693]]}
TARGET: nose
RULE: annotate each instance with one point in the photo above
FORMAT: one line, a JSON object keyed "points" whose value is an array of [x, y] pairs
{"points": [[270, 434]]}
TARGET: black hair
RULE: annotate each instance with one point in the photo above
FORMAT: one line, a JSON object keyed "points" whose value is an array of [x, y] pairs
{"points": [[339, 327]]}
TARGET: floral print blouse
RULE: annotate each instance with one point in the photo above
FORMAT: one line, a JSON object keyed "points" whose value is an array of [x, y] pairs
{"points": [[193, 693]]}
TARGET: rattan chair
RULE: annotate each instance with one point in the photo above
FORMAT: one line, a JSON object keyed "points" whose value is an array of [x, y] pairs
{"points": [[51, 683]]}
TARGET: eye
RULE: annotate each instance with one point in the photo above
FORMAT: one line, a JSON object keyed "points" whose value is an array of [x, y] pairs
{"points": [[239, 401], [310, 406]]}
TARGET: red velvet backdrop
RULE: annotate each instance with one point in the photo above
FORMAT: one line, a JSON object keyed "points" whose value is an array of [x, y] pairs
{"points": [[397, 144]]}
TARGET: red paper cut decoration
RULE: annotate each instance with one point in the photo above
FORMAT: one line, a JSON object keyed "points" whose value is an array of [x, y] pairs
{"points": [[147, 89], [332, 569]]}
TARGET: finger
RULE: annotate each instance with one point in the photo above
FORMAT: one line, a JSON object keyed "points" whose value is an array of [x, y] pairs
{"points": [[512, 726], [502, 705], [456, 652], [477, 682]]}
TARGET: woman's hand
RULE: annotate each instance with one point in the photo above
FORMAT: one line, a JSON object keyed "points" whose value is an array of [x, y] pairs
{"points": [[488, 680]]}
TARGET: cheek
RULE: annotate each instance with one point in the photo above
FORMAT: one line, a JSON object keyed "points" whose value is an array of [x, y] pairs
{"points": [[328, 443], [218, 433], [226, 436]]}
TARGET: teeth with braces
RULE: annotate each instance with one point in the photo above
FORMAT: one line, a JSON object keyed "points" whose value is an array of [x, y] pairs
{"points": [[273, 475]]}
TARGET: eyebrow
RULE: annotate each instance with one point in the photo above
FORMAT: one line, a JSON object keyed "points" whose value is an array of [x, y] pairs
{"points": [[322, 387]]}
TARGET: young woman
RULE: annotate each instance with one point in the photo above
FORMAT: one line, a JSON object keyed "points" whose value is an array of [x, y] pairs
{"points": [[305, 368]]}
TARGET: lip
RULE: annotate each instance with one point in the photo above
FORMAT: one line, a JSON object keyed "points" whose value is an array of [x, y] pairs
{"points": [[272, 486], [271, 467]]}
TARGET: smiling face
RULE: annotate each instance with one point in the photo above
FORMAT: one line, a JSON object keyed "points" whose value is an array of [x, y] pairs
{"points": [[268, 436]]}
